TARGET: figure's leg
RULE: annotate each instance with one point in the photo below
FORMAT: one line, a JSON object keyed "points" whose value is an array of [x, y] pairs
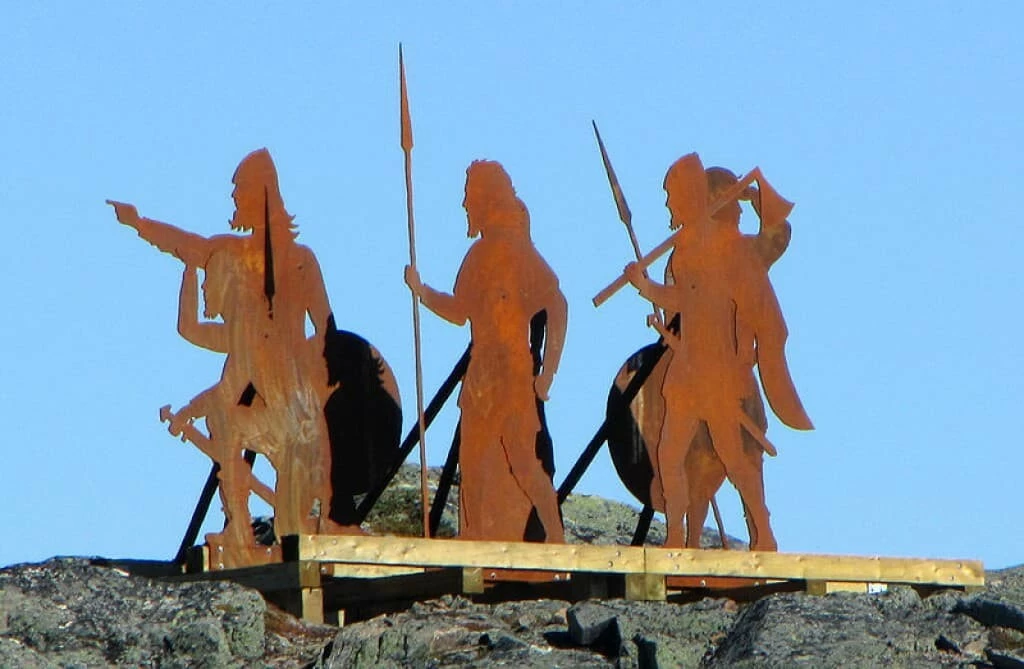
{"points": [[746, 476], [234, 496], [520, 449], [657, 492], [704, 474], [676, 437], [233, 476], [472, 497], [753, 406]]}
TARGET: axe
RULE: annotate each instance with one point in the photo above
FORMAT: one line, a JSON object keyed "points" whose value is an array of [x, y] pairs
{"points": [[205, 444], [772, 206]]}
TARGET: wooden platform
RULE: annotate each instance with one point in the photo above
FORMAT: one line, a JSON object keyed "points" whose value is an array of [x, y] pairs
{"points": [[362, 576]]}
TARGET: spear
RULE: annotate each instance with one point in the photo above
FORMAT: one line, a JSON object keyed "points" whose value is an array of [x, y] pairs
{"points": [[725, 198], [626, 216], [407, 150]]}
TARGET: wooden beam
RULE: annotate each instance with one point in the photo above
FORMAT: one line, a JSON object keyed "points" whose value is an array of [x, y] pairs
{"points": [[799, 566], [313, 605], [366, 570], [455, 553], [416, 552], [265, 578], [645, 587], [826, 587], [341, 593]]}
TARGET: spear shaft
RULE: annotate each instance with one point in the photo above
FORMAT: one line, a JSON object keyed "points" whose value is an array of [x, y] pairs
{"points": [[407, 150], [626, 216]]}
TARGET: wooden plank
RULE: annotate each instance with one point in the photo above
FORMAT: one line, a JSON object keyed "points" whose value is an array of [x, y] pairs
{"points": [[714, 582], [645, 587], [762, 566], [455, 553], [313, 605], [366, 570], [341, 593], [826, 587], [473, 581], [790, 566], [523, 575], [265, 578]]}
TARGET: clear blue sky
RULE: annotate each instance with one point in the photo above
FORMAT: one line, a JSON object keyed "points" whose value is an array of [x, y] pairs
{"points": [[896, 129]]}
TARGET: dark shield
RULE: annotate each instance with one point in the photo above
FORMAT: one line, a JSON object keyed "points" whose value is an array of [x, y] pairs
{"points": [[634, 432], [364, 419]]}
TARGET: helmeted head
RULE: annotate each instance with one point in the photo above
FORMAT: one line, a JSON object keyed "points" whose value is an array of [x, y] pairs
{"points": [[491, 199], [690, 189], [720, 181], [258, 194]]}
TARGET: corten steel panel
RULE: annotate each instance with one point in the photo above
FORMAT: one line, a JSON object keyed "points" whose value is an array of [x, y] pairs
{"points": [[502, 284], [275, 381], [700, 416]]}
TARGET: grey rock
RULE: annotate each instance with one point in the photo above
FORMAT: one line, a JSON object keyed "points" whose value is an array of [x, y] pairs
{"points": [[1001, 604], [14, 653], [1005, 660], [1006, 585], [843, 630], [69, 612], [1004, 638], [642, 634], [589, 622], [455, 632], [992, 612]]}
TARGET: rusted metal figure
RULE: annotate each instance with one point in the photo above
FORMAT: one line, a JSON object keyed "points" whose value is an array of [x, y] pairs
{"points": [[657, 321], [502, 283], [274, 384], [730, 320]]}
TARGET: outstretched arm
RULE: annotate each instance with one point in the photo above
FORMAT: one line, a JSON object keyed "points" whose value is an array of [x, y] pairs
{"points": [[212, 336], [448, 306], [190, 248]]}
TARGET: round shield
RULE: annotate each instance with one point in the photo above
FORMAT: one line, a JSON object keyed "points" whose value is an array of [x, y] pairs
{"points": [[364, 418], [634, 432], [634, 426]]}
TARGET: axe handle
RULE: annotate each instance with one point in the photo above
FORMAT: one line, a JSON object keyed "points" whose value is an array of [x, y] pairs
{"points": [[205, 444], [644, 263], [649, 259]]}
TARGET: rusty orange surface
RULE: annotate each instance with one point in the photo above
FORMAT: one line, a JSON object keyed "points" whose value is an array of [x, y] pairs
{"points": [[502, 283], [262, 285], [707, 422]]}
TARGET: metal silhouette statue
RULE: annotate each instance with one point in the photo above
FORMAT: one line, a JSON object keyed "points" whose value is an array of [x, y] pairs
{"points": [[502, 285], [717, 282], [626, 442], [271, 395]]}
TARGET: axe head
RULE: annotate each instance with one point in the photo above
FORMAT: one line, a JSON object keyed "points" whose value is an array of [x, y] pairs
{"points": [[687, 187], [771, 207]]}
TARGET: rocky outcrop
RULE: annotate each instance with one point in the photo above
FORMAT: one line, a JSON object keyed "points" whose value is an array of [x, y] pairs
{"points": [[74, 612], [68, 612]]}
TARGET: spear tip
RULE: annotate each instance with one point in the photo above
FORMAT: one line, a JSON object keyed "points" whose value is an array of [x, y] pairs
{"points": [[406, 118]]}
